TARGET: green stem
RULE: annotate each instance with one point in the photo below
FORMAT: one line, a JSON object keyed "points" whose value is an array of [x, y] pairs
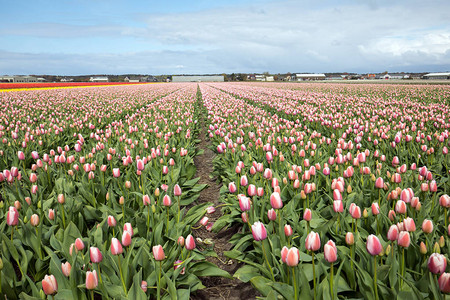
{"points": [[158, 291], [295, 284], [267, 261], [63, 216], [314, 275], [92, 294], [121, 276], [375, 287], [179, 209], [331, 282], [403, 268], [12, 233], [167, 227]]}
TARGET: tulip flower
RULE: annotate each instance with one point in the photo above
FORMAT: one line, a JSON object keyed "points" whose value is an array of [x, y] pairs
{"points": [[259, 233], [65, 268], [91, 280], [244, 204], [444, 283], [49, 285], [190, 243], [126, 238], [437, 263], [158, 254], [330, 254]]}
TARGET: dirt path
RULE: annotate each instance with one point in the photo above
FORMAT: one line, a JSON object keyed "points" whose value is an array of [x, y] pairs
{"points": [[217, 287]]}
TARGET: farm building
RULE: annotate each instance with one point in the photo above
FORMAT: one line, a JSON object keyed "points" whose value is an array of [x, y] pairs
{"points": [[437, 75], [20, 79], [99, 79], [302, 77], [197, 78]]}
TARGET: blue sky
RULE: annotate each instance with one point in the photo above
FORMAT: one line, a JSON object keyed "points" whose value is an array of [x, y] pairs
{"points": [[197, 37]]}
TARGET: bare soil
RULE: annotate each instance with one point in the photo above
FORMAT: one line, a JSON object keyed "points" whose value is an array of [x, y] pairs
{"points": [[217, 287]]}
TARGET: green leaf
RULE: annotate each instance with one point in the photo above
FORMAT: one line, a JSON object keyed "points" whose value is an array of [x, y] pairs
{"points": [[286, 290], [262, 284], [205, 268], [246, 273]]}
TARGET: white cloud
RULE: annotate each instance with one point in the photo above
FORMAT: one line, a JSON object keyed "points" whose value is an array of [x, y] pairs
{"points": [[278, 36]]}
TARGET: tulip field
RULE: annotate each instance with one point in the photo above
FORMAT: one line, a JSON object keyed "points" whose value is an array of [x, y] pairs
{"points": [[336, 190]]}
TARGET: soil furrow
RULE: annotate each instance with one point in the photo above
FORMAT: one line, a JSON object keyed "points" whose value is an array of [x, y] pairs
{"points": [[216, 287]]}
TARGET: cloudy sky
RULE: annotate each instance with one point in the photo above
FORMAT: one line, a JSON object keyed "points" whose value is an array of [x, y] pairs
{"points": [[74, 37]]}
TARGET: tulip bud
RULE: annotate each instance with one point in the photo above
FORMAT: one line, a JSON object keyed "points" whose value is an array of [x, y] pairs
{"points": [[91, 280], [158, 253], [61, 198], [349, 238], [436, 248], [423, 248], [49, 285], [441, 241]]}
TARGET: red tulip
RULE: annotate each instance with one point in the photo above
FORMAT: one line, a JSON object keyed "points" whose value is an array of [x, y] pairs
{"points": [[312, 242], [158, 253], [91, 280], [437, 263], [49, 285], [373, 245]]}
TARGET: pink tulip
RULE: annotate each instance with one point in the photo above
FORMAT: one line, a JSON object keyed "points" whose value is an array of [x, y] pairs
{"points": [[91, 280], [210, 210], [272, 214], [400, 207], [146, 200], [158, 253], [355, 211], [288, 230], [21, 155], [409, 224], [284, 252], [65, 268], [251, 190], [392, 233], [116, 172], [373, 245], [379, 183], [111, 221], [404, 239], [190, 242], [116, 247], [12, 216], [177, 190], [307, 215], [95, 254], [330, 251], [79, 245], [292, 257], [275, 201], [375, 208], [34, 220], [51, 214], [232, 187], [244, 203], [444, 283], [427, 226], [144, 286], [349, 238], [259, 231], [126, 238], [312, 242], [140, 164], [437, 263], [338, 206], [49, 285], [167, 201]]}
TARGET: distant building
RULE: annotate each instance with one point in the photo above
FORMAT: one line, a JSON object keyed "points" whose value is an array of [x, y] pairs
{"points": [[6, 78], [303, 77], [197, 78], [437, 75], [260, 78], [131, 79], [270, 78], [99, 79]]}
